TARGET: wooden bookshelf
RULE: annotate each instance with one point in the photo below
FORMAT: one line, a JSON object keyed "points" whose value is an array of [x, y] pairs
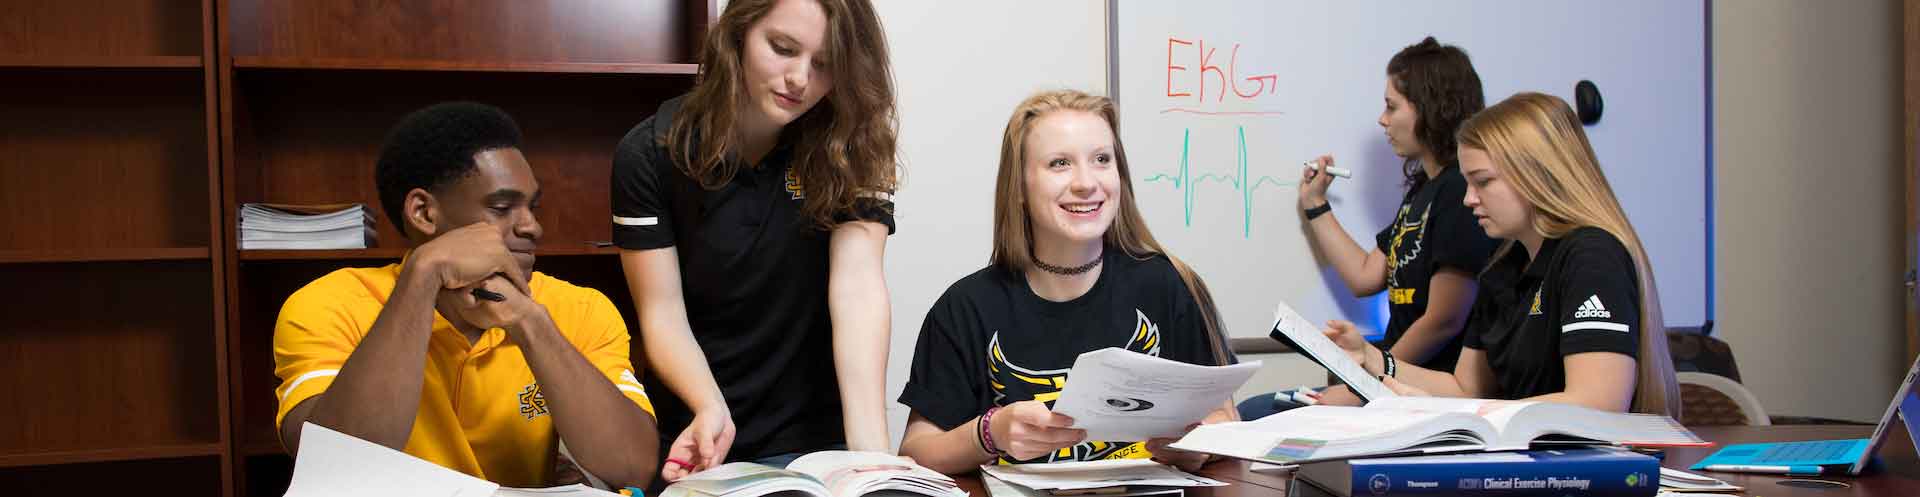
{"points": [[309, 90], [103, 255], [101, 61], [458, 65], [111, 455], [115, 340]]}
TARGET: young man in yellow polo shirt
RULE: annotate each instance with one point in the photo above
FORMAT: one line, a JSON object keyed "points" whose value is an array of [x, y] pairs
{"points": [[419, 356]]}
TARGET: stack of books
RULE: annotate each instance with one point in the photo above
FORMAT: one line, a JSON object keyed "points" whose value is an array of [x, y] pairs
{"points": [[1588, 471], [305, 227], [1403, 446]]}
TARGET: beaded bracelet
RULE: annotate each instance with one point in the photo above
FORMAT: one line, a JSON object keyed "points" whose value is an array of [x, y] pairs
{"points": [[986, 432]]}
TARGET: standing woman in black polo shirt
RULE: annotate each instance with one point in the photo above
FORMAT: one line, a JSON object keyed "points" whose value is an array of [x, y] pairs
{"points": [[1567, 311], [1074, 269], [1425, 260], [752, 214]]}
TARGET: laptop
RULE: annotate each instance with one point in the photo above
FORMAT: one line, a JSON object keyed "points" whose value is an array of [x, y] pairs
{"points": [[1825, 456]]}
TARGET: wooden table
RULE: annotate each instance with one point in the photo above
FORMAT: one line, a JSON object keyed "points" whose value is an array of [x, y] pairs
{"points": [[1897, 475]]}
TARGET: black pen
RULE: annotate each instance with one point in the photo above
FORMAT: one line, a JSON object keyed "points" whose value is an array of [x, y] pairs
{"points": [[485, 294]]}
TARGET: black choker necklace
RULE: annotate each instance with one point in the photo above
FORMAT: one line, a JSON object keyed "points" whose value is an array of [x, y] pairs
{"points": [[1067, 271]]}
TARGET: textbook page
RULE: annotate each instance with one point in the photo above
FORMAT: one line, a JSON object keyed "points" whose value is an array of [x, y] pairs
{"points": [[1307, 338], [853, 473], [1120, 395], [1315, 433]]}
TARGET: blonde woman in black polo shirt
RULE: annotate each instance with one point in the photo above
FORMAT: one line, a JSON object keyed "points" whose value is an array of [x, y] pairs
{"points": [[1567, 311], [752, 216]]}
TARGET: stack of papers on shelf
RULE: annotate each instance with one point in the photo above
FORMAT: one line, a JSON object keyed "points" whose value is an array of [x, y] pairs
{"points": [[305, 227]]}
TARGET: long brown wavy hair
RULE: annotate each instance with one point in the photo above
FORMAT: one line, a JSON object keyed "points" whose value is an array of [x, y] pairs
{"points": [[1537, 144], [844, 147], [1013, 230]]}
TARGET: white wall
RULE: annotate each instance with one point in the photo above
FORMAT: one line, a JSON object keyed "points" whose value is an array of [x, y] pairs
{"points": [[1807, 105]]}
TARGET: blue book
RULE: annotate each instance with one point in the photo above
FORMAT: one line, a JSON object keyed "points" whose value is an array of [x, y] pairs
{"points": [[1599, 472]]}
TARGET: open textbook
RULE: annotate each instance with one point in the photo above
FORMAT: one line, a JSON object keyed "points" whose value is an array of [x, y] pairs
{"points": [[1118, 394], [1133, 474], [1424, 425], [819, 474], [1293, 330]]}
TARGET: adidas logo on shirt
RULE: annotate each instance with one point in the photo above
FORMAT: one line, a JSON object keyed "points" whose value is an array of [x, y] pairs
{"points": [[1592, 309]]}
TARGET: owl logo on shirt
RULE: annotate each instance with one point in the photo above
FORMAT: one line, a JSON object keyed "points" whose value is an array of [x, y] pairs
{"points": [[533, 404], [1011, 381], [1402, 226]]}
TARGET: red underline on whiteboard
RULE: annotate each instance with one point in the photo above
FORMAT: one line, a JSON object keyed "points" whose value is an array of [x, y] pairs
{"points": [[1181, 110]]}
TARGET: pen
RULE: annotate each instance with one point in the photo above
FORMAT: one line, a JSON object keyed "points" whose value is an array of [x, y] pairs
{"points": [[1796, 470], [485, 294]]}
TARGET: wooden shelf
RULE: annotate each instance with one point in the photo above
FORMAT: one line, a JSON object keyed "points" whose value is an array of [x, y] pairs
{"points": [[103, 255], [101, 61], [260, 62], [262, 449], [395, 253], [109, 455]]}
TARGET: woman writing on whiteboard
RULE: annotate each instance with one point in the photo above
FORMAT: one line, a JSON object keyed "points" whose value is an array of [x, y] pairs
{"points": [[1074, 269], [752, 216], [1567, 310], [1425, 260]]}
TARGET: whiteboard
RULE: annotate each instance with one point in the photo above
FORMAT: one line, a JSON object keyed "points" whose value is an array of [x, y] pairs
{"points": [[1215, 140]]}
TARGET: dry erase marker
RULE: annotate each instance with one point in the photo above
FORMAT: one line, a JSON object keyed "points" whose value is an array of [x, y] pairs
{"points": [[1333, 170], [1797, 469], [485, 294]]}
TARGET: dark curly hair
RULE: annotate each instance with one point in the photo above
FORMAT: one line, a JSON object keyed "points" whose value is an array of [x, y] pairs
{"points": [[432, 147], [1439, 81]]}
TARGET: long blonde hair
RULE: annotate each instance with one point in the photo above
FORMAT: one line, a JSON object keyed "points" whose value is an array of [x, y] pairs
{"points": [[1013, 230], [1537, 144], [845, 145]]}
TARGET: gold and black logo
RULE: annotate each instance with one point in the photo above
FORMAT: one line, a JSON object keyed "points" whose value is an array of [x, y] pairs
{"points": [[1009, 380], [533, 404]]}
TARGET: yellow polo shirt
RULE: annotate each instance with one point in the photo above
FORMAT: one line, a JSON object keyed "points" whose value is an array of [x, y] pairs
{"points": [[481, 412]]}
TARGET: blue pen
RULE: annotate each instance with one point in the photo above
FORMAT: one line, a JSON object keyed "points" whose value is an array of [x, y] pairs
{"points": [[1794, 470]]}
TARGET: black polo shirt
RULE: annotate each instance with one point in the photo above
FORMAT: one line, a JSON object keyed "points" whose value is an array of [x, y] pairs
{"points": [[753, 273], [1432, 230], [1583, 296]]}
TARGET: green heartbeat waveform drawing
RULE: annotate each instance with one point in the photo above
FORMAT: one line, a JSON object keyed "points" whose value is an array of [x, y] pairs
{"points": [[1189, 184]]}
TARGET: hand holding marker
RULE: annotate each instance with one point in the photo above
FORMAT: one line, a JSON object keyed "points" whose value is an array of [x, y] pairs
{"points": [[1339, 172]]}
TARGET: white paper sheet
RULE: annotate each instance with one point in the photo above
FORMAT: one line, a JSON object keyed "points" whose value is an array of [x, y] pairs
{"points": [[1316, 346], [331, 463], [1120, 395], [1097, 474]]}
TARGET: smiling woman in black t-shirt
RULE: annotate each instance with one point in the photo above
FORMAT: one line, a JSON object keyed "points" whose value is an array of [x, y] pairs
{"points": [[1568, 311], [1074, 269]]}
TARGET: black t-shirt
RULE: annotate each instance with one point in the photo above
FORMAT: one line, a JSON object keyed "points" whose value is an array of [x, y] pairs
{"points": [[1432, 230], [1583, 296], [753, 273], [989, 340]]}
